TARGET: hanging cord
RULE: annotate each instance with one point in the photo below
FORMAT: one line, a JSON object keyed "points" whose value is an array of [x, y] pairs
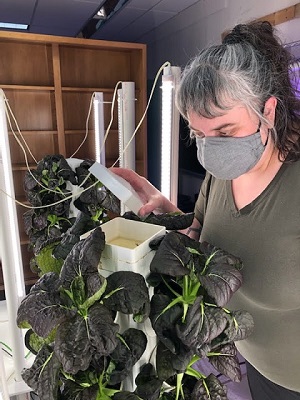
{"points": [[7, 108], [89, 114]]}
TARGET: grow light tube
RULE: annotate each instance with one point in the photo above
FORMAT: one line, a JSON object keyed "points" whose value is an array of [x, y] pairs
{"points": [[170, 134], [126, 125], [99, 127], [10, 249]]}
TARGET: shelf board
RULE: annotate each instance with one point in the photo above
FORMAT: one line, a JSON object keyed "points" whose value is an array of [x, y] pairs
{"points": [[82, 131], [90, 89], [34, 133], [23, 167], [27, 87], [86, 89]]}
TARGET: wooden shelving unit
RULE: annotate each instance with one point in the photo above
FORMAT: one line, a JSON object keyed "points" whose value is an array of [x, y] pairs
{"points": [[49, 81]]}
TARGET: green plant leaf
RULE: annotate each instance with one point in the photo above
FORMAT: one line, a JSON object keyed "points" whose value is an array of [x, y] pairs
{"points": [[45, 260]]}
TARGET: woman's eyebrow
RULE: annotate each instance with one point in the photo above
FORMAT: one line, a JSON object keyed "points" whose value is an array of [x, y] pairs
{"points": [[222, 126], [218, 128]]}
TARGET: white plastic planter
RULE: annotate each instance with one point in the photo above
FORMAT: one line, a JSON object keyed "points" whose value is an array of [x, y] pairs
{"points": [[127, 249]]}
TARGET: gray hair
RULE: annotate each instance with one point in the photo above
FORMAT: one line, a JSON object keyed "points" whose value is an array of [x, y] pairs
{"points": [[221, 77], [248, 68]]}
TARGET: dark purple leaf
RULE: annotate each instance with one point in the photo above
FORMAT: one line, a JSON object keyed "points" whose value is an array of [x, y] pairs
{"points": [[227, 363], [43, 376], [216, 391], [163, 322], [43, 308], [133, 296], [126, 355], [221, 281], [241, 325], [172, 257]]}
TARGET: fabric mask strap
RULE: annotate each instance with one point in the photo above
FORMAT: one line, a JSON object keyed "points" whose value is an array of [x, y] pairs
{"points": [[258, 129]]}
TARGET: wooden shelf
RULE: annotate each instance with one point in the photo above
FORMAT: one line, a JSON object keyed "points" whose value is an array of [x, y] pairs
{"points": [[27, 87], [21, 167], [87, 89], [48, 82]]}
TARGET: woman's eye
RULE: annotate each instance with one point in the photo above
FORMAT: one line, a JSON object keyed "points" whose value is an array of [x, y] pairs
{"points": [[223, 134], [194, 134]]}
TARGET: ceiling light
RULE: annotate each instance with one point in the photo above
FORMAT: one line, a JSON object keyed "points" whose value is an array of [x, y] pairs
{"points": [[9, 25], [101, 14]]}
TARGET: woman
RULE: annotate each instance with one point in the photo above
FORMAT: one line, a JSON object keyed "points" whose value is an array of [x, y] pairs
{"points": [[245, 117]]}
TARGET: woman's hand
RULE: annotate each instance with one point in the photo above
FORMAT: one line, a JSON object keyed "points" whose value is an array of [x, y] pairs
{"points": [[151, 197]]}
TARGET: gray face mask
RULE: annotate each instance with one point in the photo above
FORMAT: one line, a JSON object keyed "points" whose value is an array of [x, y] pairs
{"points": [[229, 157]]}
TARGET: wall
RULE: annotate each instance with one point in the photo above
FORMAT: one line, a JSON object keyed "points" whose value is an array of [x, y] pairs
{"points": [[200, 25]]}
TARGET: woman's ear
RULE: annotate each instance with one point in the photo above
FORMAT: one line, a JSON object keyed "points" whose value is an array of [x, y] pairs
{"points": [[269, 110]]}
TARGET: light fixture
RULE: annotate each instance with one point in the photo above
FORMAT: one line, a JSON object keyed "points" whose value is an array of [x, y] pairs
{"points": [[170, 134], [101, 14], [10, 250], [99, 127], [126, 125], [9, 25], [126, 128]]}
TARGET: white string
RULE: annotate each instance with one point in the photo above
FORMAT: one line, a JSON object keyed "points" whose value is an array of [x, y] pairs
{"points": [[86, 126], [111, 115], [17, 126]]}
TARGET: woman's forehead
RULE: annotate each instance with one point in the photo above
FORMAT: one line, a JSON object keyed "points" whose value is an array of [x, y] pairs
{"points": [[234, 116]]}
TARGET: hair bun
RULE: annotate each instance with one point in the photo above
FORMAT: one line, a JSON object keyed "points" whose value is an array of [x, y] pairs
{"points": [[249, 33]]}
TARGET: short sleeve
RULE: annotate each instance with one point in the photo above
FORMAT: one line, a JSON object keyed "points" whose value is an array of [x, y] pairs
{"points": [[201, 202]]}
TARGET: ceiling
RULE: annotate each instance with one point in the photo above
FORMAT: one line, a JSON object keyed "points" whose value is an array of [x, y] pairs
{"points": [[130, 21]]}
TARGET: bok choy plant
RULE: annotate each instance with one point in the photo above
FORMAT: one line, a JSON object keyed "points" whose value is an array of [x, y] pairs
{"points": [[70, 313]]}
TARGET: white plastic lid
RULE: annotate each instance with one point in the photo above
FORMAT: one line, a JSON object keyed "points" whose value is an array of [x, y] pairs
{"points": [[118, 186]]}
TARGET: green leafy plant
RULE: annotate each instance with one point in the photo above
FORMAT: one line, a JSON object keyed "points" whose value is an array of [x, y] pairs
{"points": [[70, 313]]}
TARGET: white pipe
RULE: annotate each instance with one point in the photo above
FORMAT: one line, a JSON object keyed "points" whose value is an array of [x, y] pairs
{"points": [[10, 250]]}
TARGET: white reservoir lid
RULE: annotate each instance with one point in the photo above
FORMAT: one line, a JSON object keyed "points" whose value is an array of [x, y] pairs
{"points": [[118, 186]]}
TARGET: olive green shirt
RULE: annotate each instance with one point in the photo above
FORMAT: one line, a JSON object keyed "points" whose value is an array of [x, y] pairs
{"points": [[265, 234]]}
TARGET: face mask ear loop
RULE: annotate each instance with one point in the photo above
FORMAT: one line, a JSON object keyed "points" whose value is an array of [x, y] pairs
{"points": [[269, 131]]}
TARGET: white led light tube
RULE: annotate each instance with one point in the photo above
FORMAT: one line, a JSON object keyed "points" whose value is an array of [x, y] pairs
{"points": [[170, 135], [99, 127], [10, 251]]}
